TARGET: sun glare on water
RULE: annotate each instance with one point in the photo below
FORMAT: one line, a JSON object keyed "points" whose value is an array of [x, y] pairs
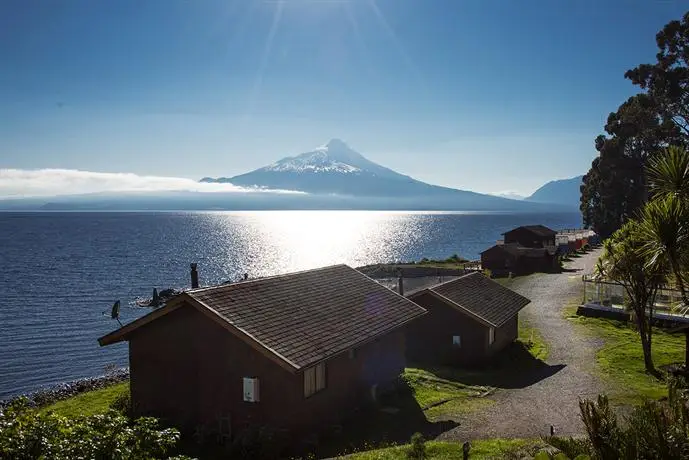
{"points": [[299, 240]]}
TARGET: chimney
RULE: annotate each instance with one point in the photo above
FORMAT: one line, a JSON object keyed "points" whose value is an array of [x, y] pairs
{"points": [[400, 281], [194, 277]]}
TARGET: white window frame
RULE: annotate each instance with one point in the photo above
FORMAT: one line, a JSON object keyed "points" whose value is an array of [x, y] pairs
{"points": [[491, 336], [457, 341], [315, 379]]}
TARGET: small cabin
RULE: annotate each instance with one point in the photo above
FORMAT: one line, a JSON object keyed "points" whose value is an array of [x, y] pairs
{"points": [[295, 351], [469, 321], [518, 260], [531, 236]]}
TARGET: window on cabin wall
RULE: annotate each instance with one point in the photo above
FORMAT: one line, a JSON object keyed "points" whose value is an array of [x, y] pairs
{"points": [[457, 341], [491, 336], [314, 379]]}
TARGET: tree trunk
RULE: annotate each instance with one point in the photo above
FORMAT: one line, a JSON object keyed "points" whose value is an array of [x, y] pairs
{"points": [[648, 358], [680, 282], [644, 326]]}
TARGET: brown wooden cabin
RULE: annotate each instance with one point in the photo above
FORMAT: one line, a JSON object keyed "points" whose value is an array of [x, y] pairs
{"points": [[511, 258], [531, 236], [469, 320], [295, 351]]}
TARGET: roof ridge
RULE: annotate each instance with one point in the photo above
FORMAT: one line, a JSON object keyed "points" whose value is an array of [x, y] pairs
{"points": [[263, 278], [466, 275]]}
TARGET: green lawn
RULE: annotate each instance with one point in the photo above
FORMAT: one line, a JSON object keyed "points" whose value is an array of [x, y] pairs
{"points": [[482, 449], [88, 403], [533, 341], [449, 398], [620, 360]]}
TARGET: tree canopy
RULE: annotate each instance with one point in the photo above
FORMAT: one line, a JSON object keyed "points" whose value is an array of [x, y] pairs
{"points": [[642, 127]]}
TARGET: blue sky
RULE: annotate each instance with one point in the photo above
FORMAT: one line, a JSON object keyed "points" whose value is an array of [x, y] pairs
{"points": [[481, 95]]}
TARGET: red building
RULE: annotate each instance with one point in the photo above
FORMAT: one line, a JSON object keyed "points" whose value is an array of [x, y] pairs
{"points": [[531, 236], [295, 351], [469, 320]]}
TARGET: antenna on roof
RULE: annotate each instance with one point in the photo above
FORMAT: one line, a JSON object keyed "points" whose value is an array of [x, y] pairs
{"points": [[115, 312]]}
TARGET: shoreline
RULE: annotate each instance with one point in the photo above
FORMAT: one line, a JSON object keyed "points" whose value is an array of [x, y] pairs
{"points": [[53, 393]]}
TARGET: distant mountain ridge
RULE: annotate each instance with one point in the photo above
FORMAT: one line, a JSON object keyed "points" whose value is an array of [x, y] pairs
{"points": [[336, 169], [564, 192]]}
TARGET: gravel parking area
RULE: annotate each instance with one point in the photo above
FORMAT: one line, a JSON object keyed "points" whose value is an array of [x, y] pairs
{"points": [[529, 412]]}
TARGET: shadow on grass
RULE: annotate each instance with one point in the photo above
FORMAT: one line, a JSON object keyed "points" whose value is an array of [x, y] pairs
{"points": [[515, 367], [395, 418]]}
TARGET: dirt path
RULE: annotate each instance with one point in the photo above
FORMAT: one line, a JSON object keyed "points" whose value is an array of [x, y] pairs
{"points": [[530, 411]]}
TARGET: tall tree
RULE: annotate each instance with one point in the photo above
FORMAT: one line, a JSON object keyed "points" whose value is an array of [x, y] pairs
{"points": [[625, 262], [640, 129], [667, 81]]}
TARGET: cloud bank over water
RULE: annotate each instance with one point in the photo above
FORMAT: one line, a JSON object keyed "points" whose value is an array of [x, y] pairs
{"points": [[23, 183]]}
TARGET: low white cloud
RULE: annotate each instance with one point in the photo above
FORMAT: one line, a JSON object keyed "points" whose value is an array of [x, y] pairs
{"points": [[22, 183], [510, 194]]}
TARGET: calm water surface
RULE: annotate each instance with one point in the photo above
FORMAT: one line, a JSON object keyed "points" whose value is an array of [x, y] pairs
{"points": [[61, 271]]}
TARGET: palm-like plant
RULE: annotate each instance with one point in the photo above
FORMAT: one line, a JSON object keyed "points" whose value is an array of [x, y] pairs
{"points": [[668, 173], [665, 219], [625, 261], [664, 228]]}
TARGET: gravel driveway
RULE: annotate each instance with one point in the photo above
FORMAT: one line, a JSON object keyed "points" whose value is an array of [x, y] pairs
{"points": [[530, 411]]}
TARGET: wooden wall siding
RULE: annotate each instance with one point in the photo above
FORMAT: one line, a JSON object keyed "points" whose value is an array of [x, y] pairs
{"points": [[429, 339], [504, 335], [188, 370]]}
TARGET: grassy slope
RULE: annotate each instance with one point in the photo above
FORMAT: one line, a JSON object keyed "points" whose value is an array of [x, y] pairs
{"points": [[88, 403], [430, 389], [620, 360], [482, 449]]}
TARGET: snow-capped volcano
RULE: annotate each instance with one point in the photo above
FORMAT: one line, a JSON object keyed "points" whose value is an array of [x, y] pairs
{"points": [[332, 168], [337, 169], [333, 157]]}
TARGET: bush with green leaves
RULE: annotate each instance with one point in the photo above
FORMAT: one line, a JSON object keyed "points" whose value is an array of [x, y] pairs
{"points": [[656, 429], [417, 449], [29, 434]]}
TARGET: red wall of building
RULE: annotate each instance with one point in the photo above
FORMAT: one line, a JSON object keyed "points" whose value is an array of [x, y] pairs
{"points": [[189, 370]]}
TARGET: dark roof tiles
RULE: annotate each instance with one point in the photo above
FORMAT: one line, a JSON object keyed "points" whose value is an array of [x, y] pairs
{"points": [[309, 316], [483, 297], [540, 230]]}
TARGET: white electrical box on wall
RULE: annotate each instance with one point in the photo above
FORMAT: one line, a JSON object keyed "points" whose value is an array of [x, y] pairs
{"points": [[251, 389]]}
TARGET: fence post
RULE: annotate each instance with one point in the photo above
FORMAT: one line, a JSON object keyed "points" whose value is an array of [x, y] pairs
{"points": [[466, 447]]}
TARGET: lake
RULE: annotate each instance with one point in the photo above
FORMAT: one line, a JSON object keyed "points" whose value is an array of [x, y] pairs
{"points": [[63, 271]]}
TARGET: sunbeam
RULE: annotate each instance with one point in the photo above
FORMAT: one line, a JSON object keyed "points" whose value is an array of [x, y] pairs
{"points": [[279, 5], [396, 42]]}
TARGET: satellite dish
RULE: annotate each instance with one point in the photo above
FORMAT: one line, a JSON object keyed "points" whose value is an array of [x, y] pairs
{"points": [[115, 312]]}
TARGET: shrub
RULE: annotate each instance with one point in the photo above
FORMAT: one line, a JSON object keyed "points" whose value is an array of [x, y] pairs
{"points": [[602, 428], [417, 450], [123, 404], [28, 434], [656, 429]]}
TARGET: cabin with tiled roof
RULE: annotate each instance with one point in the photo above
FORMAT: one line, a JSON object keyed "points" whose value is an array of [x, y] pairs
{"points": [[470, 319], [294, 351], [531, 236]]}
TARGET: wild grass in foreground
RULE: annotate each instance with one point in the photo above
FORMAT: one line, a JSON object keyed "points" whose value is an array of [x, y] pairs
{"points": [[437, 450], [88, 403], [620, 359]]}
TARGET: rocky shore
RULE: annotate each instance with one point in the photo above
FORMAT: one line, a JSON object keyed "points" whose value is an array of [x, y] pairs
{"points": [[49, 395]]}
